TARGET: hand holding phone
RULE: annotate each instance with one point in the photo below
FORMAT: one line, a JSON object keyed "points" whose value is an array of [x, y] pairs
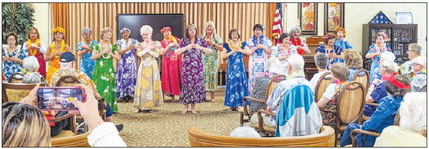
{"points": [[58, 98]]}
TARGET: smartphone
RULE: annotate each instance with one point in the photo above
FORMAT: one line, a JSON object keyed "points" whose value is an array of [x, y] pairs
{"points": [[58, 98]]}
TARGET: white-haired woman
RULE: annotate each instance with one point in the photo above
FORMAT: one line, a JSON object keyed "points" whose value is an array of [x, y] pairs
{"points": [[376, 73], [211, 61], [377, 89], [84, 50], [127, 72], [104, 72], [411, 131], [148, 92], [31, 66], [193, 89], [376, 50]]}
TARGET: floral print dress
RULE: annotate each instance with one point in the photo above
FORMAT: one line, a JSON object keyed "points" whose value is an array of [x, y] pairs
{"points": [[193, 89], [148, 93], [258, 60], [87, 64], [10, 67], [211, 65], [104, 76], [127, 72]]}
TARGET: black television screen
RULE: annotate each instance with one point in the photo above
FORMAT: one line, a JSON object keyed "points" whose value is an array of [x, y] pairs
{"points": [[157, 21]]}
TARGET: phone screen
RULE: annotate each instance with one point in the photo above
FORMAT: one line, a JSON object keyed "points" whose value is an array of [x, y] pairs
{"points": [[58, 98]]}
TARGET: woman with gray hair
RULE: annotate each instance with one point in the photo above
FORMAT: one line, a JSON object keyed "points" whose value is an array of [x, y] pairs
{"points": [[245, 132], [148, 93], [31, 66], [411, 131], [377, 89], [376, 74], [301, 46], [210, 61], [104, 54], [321, 61], [84, 50], [413, 51]]}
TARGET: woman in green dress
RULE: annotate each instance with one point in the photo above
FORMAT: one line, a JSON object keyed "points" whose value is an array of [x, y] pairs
{"points": [[104, 71], [211, 61]]}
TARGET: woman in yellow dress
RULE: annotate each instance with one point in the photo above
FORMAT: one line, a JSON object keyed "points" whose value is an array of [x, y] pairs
{"points": [[54, 52], [148, 92]]}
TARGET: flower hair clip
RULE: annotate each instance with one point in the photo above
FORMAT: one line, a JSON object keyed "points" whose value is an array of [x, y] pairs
{"points": [[58, 29], [326, 36]]}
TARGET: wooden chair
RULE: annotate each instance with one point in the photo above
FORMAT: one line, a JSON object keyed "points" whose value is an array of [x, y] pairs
{"points": [[325, 138], [71, 141], [321, 85], [16, 91], [362, 76], [349, 109], [16, 78], [244, 111]]}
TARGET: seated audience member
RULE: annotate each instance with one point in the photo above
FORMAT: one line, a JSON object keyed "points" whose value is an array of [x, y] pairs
{"points": [[339, 74], [30, 68], [384, 115], [321, 61], [245, 132], [419, 67], [377, 90], [280, 54], [411, 131], [24, 117], [385, 56], [67, 60], [354, 61], [295, 70], [413, 51], [419, 84]]}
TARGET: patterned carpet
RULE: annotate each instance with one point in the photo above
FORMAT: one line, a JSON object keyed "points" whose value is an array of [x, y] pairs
{"points": [[167, 127]]}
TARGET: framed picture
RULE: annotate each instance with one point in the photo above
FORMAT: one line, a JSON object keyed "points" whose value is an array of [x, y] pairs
{"points": [[334, 17], [307, 13], [404, 18]]}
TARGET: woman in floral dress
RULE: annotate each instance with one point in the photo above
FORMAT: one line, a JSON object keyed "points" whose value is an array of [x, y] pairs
{"points": [[259, 45], [13, 56], [281, 52], [193, 89], [148, 89], [54, 52], [375, 51], [211, 61], [36, 48], [127, 72], [104, 73], [84, 50], [236, 84], [171, 64]]}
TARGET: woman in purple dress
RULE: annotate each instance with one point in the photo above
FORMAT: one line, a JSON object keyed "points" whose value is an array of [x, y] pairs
{"points": [[126, 76], [193, 90]]}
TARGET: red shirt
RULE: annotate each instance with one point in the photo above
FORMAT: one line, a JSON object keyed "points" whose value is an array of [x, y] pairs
{"points": [[297, 42]]}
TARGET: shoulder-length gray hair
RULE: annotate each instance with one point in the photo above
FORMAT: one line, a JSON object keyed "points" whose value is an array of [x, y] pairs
{"points": [[206, 25]]}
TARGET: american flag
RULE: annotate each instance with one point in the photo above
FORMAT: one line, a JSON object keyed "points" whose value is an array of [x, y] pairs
{"points": [[277, 24]]}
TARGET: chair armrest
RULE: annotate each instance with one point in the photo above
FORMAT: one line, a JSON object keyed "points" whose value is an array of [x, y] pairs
{"points": [[326, 110], [266, 112], [373, 104], [353, 135], [261, 119], [254, 99], [61, 118]]}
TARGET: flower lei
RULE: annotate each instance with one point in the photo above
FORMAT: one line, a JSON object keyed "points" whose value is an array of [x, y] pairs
{"points": [[25, 71], [105, 56], [33, 51], [62, 47], [58, 29], [261, 41], [234, 47]]}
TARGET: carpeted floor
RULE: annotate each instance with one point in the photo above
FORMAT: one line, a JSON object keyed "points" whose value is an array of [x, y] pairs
{"points": [[167, 127]]}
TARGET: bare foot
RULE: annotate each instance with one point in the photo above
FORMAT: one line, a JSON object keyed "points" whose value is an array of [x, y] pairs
{"points": [[194, 111], [184, 111]]}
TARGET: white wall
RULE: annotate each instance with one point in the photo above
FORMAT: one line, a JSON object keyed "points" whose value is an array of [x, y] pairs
{"points": [[43, 19], [357, 14]]}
